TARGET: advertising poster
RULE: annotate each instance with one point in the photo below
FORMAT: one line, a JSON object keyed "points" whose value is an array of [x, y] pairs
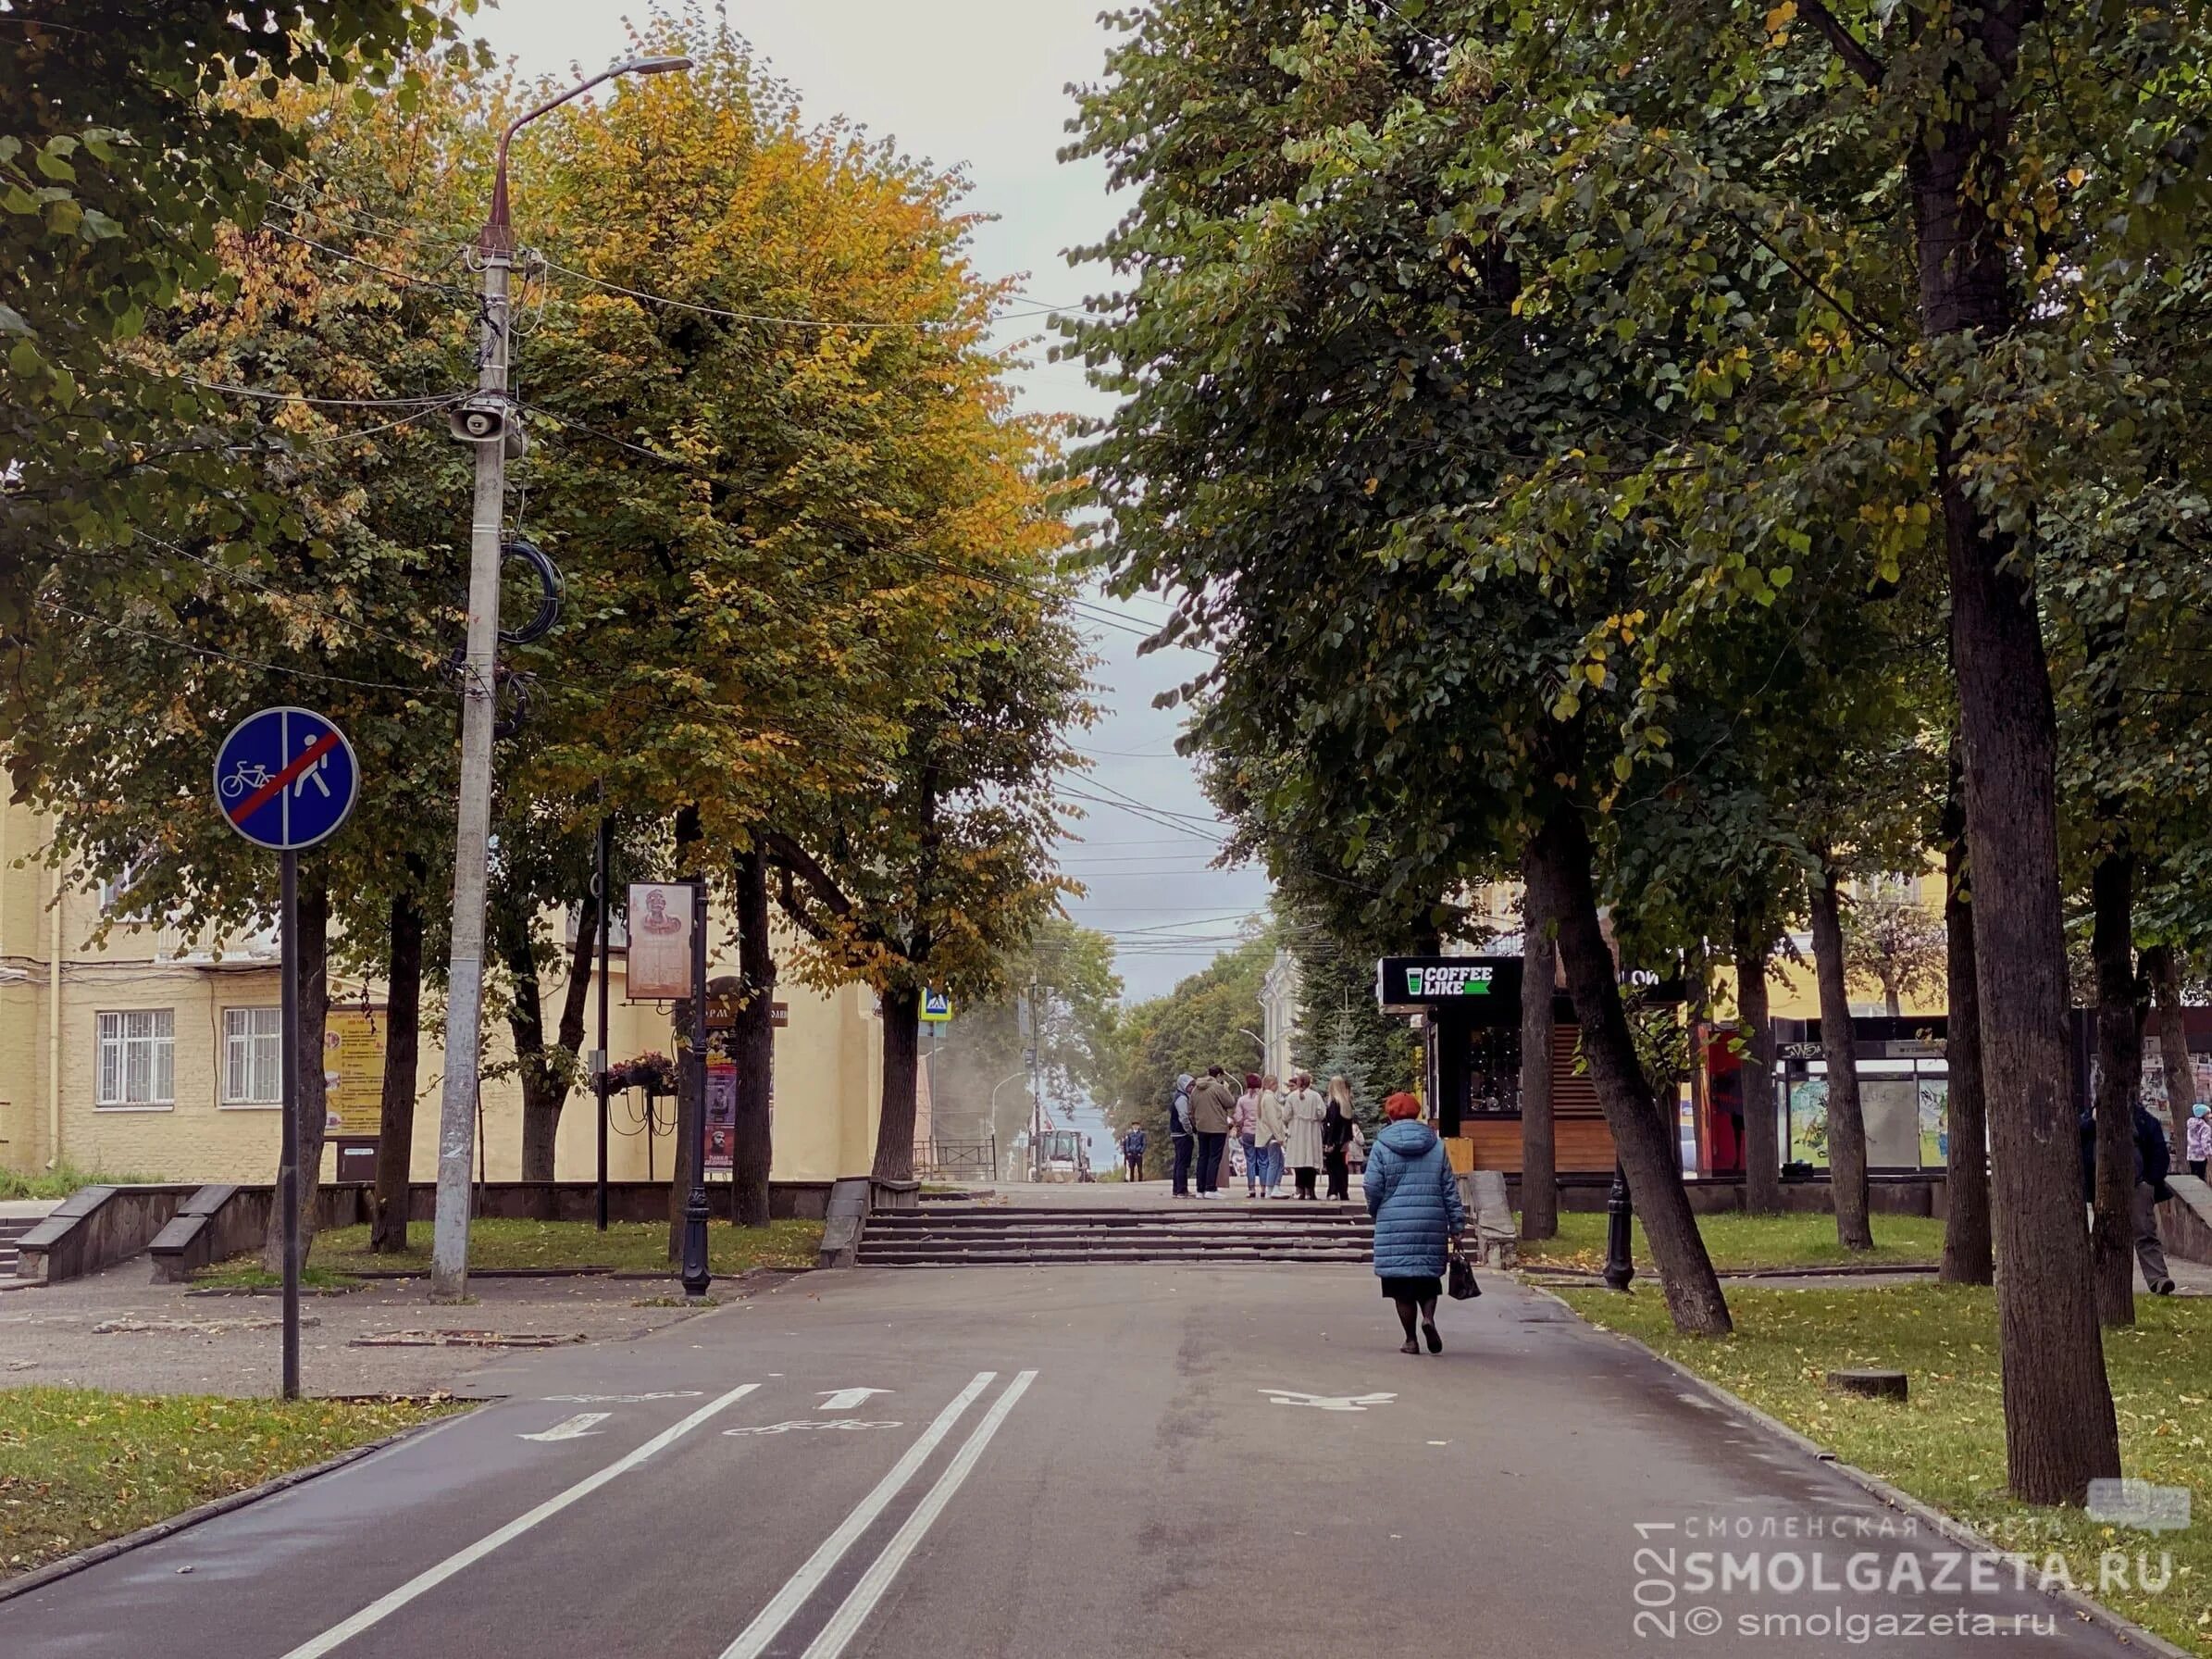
{"points": [[659, 941], [721, 1120], [354, 1071]]}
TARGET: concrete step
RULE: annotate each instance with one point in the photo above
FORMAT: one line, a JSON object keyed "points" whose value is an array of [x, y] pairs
{"points": [[11, 1229], [1176, 1222], [1195, 1234], [1120, 1241], [996, 1258]]}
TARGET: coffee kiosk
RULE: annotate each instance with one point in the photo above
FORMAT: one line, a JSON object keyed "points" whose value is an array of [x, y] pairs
{"points": [[1468, 1009]]}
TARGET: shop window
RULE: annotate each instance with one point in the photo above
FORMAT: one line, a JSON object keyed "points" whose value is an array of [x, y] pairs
{"points": [[138, 1058], [253, 1057]]}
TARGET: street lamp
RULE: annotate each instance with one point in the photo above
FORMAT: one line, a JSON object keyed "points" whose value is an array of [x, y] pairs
{"points": [[487, 422], [990, 1110]]}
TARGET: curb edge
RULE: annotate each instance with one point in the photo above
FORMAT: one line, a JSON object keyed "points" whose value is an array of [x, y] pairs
{"points": [[68, 1566], [1949, 1526]]}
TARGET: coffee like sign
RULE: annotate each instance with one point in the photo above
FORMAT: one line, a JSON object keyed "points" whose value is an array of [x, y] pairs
{"points": [[1472, 979]]}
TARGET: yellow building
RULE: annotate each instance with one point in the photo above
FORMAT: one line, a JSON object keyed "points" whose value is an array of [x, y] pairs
{"points": [[147, 1056]]}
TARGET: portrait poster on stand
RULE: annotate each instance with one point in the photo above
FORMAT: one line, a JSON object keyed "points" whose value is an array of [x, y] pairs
{"points": [[659, 941]]}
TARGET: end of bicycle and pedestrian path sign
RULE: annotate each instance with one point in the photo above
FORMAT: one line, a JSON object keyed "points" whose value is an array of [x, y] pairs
{"points": [[286, 778]]}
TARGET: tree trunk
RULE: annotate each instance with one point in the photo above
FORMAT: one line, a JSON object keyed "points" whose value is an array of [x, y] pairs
{"points": [[2120, 1075], [688, 1089], [315, 1009], [1966, 1187], [901, 1060], [2060, 1428], [543, 1094], [754, 1152], [1762, 1135], [403, 1031], [1539, 1159], [2162, 968], [1559, 866], [1846, 1122]]}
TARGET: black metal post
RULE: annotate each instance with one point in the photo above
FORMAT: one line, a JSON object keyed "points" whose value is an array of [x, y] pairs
{"points": [[696, 1277], [288, 1158], [1620, 1267], [606, 927]]}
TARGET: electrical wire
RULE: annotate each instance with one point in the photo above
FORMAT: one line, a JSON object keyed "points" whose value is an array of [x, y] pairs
{"points": [[410, 278], [423, 404], [245, 661]]}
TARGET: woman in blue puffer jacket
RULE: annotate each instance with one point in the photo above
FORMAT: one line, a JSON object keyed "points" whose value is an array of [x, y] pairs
{"points": [[1414, 1199]]}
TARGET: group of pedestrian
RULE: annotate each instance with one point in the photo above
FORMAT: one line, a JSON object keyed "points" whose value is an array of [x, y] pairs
{"points": [[1295, 1130]]}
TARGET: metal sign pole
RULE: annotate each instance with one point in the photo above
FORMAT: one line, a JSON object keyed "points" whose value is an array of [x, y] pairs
{"points": [[263, 774], [696, 1277], [606, 927], [288, 1163]]}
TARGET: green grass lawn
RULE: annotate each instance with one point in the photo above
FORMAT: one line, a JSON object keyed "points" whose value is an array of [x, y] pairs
{"points": [[62, 1182], [78, 1465], [1738, 1241], [1946, 1445], [626, 1246]]}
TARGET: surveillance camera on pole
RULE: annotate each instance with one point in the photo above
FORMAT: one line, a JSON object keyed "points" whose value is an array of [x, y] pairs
{"points": [[488, 421]]}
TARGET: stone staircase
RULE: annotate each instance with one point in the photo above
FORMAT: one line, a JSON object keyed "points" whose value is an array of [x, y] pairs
{"points": [[1194, 1232], [12, 1229]]}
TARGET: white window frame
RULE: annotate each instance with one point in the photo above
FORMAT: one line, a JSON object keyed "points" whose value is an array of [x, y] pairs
{"points": [[140, 1040], [253, 1037]]}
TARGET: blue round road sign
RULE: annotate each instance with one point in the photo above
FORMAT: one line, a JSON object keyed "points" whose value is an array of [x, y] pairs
{"points": [[285, 779]]}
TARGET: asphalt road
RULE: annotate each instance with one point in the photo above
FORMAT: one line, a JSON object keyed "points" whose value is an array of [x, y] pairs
{"points": [[1064, 1463]]}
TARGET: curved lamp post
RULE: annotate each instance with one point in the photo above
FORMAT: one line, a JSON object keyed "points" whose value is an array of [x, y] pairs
{"points": [[487, 423]]}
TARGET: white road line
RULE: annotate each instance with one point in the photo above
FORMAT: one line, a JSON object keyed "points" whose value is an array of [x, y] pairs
{"points": [[846, 1620], [385, 1606], [752, 1642]]}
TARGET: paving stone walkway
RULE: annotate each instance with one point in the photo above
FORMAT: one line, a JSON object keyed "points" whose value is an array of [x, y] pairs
{"points": [[115, 1330]]}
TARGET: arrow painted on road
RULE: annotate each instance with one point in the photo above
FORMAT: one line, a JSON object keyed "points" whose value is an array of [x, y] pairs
{"points": [[847, 1399], [573, 1428], [1327, 1401]]}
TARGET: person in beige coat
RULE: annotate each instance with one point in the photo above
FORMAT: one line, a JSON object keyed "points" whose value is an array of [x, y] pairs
{"points": [[1271, 1128], [1306, 1108]]}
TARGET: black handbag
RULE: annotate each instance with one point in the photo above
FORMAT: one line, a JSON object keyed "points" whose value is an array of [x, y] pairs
{"points": [[1459, 1278]]}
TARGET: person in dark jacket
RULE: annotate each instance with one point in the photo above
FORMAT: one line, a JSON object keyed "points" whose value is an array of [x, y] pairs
{"points": [[1336, 1138], [1132, 1153], [2154, 1162], [1212, 1105], [1414, 1199], [1179, 1135]]}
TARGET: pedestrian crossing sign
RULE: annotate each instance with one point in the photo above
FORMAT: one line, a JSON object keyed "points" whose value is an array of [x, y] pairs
{"points": [[937, 1007]]}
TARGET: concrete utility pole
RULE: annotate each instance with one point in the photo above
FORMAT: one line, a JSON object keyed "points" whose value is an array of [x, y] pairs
{"points": [[491, 424], [1036, 1085]]}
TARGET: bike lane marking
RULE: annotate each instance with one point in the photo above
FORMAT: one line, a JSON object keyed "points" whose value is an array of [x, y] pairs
{"points": [[768, 1624], [386, 1606], [853, 1612]]}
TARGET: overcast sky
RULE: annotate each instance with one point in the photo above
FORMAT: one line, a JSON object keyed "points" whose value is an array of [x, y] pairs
{"points": [[981, 84]]}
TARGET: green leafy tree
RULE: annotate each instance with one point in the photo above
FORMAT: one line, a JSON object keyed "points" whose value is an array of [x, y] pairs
{"points": [[1325, 370], [126, 158], [979, 1072], [1347, 1058]]}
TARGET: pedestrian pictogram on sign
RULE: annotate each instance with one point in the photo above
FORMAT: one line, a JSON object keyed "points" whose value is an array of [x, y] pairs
{"points": [[937, 1006], [286, 778]]}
